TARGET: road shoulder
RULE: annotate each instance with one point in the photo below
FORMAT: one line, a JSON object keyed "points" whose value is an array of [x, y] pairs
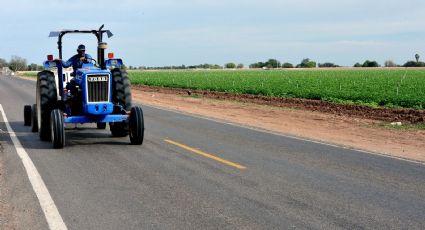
{"points": [[19, 206], [7, 219]]}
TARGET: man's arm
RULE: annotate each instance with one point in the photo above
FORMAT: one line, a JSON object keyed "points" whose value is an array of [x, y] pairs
{"points": [[69, 62]]}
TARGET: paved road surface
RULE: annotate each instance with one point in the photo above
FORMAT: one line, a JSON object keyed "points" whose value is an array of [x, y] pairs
{"points": [[100, 182]]}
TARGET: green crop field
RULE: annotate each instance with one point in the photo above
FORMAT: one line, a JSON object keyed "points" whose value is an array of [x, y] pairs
{"points": [[377, 87]]}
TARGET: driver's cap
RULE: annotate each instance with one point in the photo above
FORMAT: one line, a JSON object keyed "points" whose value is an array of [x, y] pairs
{"points": [[81, 47]]}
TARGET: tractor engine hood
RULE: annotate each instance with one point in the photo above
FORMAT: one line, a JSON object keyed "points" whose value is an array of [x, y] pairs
{"points": [[91, 69], [95, 84]]}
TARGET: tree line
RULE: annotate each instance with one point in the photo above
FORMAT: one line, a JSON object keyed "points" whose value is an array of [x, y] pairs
{"points": [[17, 63], [307, 63], [274, 63]]}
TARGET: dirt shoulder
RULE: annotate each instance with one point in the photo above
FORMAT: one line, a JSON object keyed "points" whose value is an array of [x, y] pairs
{"points": [[343, 125]]}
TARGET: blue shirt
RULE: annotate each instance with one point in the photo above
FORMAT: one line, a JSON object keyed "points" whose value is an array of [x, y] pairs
{"points": [[75, 61]]}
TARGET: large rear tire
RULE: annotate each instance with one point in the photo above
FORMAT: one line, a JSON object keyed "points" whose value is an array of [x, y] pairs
{"points": [[34, 120], [136, 126], [57, 129], [27, 115], [121, 95], [46, 102]]}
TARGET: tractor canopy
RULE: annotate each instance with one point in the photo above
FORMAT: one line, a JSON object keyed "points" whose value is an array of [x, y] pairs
{"points": [[99, 35]]}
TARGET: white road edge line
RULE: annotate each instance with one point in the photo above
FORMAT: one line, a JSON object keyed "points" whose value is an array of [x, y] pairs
{"points": [[49, 208], [287, 135]]}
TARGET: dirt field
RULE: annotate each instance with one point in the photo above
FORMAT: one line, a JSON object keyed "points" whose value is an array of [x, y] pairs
{"points": [[350, 126]]}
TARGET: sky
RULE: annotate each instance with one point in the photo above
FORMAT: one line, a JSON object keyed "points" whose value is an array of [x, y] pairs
{"points": [[190, 32]]}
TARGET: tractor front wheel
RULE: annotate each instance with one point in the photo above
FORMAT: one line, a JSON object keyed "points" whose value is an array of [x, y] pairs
{"points": [[101, 125], [34, 120], [57, 129], [27, 115], [136, 126]]}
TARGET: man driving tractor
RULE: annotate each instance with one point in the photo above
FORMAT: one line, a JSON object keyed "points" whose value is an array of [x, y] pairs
{"points": [[77, 60]]}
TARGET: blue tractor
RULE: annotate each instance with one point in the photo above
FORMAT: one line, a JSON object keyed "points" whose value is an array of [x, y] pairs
{"points": [[99, 92]]}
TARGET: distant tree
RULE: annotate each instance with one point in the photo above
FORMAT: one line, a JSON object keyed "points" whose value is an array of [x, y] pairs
{"points": [[257, 65], [357, 65], [215, 66], [410, 64], [34, 67], [17, 63], [368, 63], [261, 64], [390, 63], [240, 66], [307, 63], [287, 65], [414, 64], [230, 65], [272, 63], [417, 57], [3, 63], [327, 65]]}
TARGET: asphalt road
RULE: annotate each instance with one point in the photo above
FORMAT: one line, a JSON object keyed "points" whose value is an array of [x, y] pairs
{"points": [[249, 180]]}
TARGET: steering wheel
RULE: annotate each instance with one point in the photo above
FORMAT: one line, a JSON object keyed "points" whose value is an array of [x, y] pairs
{"points": [[90, 60]]}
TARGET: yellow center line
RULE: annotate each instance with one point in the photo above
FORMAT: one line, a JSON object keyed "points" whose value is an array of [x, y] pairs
{"points": [[226, 162]]}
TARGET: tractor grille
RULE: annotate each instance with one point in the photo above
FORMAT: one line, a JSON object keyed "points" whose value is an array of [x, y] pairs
{"points": [[98, 88]]}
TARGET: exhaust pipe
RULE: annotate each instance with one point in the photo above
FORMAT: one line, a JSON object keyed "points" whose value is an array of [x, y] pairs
{"points": [[101, 54]]}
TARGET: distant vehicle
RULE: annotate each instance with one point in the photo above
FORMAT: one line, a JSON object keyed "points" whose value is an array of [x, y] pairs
{"points": [[6, 71], [98, 92]]}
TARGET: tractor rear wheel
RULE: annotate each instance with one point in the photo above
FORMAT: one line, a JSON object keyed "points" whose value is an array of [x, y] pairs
{"points": [[121, 95], [101, 125], [27, 115], [136, 126], [46, 97], [34, 121], [57, 129]]}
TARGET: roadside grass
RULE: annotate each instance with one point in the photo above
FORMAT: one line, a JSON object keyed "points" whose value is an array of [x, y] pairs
{"points": [[28, 73], [192, 96], [403, 126]]}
